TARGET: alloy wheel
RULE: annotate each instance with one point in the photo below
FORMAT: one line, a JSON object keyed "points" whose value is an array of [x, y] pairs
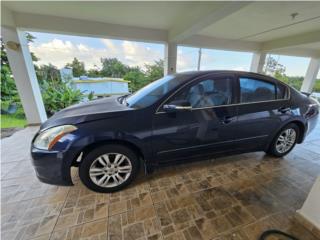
{"points": [[286, 140], [110, 170]]}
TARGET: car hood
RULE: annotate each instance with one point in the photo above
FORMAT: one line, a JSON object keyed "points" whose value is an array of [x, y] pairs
{"points": [[97, 109]]}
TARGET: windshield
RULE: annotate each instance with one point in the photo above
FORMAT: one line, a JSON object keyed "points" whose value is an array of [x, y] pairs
{"points": [[153, 91]]}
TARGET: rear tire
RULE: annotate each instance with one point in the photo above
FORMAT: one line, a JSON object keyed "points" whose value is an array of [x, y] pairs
{"points": [[284, 141], [109, 168]]}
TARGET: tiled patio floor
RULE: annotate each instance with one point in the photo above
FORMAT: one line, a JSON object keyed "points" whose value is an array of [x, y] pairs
{"points": [[227, 198]]}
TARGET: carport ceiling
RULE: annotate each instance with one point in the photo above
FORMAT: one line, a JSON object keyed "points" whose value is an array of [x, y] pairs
{"points": [[264, 21], [263, 25], [157, 15]]}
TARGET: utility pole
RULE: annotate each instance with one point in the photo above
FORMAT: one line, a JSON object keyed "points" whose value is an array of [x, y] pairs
{"points": [[199, 58]]}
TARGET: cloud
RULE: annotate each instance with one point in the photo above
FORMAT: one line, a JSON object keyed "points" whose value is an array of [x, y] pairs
{"points": [[129, 48], [133, 53], [83, 48], [109, 44], [186, 60], [59, 52], [208, 61]]}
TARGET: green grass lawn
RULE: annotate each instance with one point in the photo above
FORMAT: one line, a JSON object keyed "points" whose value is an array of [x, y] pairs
{"points": [[9, 121]]}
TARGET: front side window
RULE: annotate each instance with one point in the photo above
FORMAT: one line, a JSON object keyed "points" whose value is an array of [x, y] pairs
{"points": [[206, 93], [154, 91], [254, 90]]}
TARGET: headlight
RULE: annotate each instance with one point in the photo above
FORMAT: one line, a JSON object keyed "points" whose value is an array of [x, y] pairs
{"points": [[48, 138]]}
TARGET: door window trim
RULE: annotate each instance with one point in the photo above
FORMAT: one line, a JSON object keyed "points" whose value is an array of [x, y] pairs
{"points": [[235, 87], [273, 83], [263, 79], [201, 78]]}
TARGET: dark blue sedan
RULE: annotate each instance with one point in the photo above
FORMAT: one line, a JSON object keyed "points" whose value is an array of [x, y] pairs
{"points": [[181, 117]]}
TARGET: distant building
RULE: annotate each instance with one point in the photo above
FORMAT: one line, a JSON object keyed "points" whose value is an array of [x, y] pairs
{"points": [[101, 86], [66, 74]]}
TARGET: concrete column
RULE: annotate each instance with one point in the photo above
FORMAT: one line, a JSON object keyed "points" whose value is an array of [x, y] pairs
{"points": [[170, 66], [257, 62], [311, 75], [24, 74]]}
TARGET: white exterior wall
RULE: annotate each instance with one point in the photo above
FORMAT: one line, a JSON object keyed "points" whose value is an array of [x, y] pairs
{"points": [[101, 88]]}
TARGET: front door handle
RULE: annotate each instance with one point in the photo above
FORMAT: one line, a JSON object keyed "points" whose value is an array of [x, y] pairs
{"points": [[284, 109], [227, 120]]}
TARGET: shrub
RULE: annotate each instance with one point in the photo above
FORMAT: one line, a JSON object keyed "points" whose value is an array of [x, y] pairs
{"points": [[57, 96], [5, 104]]}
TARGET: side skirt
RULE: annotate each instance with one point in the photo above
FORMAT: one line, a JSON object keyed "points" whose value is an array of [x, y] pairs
{"points": [[152, 167]]}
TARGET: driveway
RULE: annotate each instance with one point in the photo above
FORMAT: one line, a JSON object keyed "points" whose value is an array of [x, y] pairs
{"points": [[235, 197]]}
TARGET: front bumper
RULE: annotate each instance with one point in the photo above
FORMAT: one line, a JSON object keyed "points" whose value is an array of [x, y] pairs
{"points": [[51, 166]]}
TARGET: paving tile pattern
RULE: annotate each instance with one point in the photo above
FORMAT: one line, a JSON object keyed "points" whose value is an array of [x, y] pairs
{"points": [[235, 197]]}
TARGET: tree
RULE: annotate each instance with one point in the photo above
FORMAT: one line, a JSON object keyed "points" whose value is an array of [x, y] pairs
{"points": [[137, 79], [277, 70], [78, 68], [94, 72], [48, 73], [4, 58], [8, 87], [273, 66], [281, 76], [154, 71], [30, 39], [55, 93], [112, 67]]}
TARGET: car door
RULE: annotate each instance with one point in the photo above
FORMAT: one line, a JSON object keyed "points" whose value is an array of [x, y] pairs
{"points": [[263, 105], [201, 121]]}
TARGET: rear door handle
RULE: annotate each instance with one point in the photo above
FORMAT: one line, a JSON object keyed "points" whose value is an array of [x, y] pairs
{"points": [[284, 109], [227, 120]]}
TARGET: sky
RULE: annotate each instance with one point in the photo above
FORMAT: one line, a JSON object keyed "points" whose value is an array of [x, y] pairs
{"points": [[212, 59], [61, 49]]}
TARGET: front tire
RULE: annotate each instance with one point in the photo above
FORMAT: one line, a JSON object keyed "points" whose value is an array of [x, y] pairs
{"points": [[109, 168], [285, 140]]}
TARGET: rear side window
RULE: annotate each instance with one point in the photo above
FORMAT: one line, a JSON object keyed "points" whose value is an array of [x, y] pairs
{"points": [[254, 90]]}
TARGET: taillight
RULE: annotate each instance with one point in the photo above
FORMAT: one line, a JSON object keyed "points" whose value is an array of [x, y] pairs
{"points": [[313, 110]]}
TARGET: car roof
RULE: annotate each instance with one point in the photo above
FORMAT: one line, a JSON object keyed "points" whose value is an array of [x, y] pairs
{"points": [[193, 74]]}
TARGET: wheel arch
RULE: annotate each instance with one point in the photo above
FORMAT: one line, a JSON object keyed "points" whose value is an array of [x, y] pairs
{"points": [[84, 151], [301, 127]]}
